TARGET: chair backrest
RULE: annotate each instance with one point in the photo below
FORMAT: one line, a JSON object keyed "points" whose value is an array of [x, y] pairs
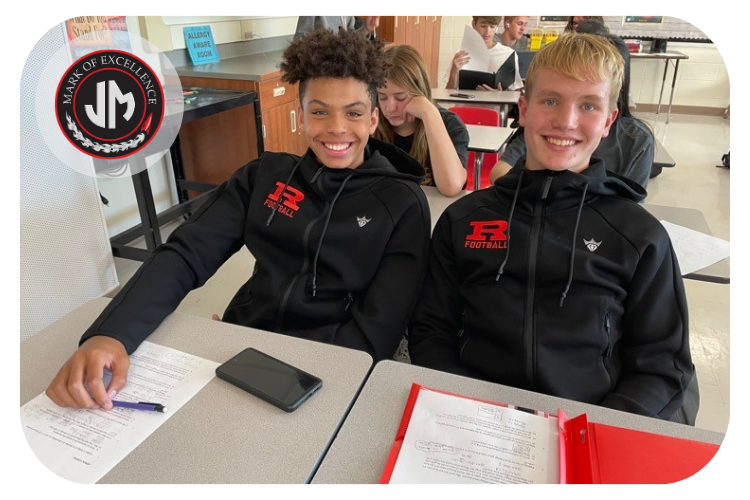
{"points": [[479, 116]]}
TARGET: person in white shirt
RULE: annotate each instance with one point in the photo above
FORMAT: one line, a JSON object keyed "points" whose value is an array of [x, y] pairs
{"points": [[486, 26]]}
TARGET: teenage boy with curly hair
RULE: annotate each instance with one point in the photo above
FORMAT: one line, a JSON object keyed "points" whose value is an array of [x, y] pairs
{"points": [[340, 235], [555, 279]]}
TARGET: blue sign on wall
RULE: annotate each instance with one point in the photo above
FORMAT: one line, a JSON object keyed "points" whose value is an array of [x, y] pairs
{"points": [[200, 44]]}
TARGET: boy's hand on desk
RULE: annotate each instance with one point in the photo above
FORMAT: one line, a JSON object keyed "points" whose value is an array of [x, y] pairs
{"points": [[486, 87], [85, 368]]}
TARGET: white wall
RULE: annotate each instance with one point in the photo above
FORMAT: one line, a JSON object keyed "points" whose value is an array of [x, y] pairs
{"points": [[702, 79]]}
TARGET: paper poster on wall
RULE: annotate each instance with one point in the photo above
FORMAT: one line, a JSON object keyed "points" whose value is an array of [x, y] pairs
{"points": [[87, 34], [651, 20], [553, 20], [200, 44]]}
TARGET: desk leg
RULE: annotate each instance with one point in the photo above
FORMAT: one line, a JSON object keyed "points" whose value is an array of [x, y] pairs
{"points": [[663, 80], [674, 80], [478, 160], [504, 111], [145, 200]]}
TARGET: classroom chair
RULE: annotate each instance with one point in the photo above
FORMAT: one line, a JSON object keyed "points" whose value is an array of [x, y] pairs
{"points": [[479, 116]]}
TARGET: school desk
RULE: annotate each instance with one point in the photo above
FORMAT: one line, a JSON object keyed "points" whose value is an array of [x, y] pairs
{"points": [[500, 100], [485, 139], [667, 57], [686, 217], [359, 453], [223, 434]]}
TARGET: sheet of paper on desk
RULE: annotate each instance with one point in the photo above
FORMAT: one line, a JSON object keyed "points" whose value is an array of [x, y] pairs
{"points": [[452, 439], [474, 45], [695, 250], [83, 445]]}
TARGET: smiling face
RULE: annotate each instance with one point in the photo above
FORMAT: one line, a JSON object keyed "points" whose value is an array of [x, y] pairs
{"points": [[392, 100], [564, 120], [338, 119], [486, 30]]}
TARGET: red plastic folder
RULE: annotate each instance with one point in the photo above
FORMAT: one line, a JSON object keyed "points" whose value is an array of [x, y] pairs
{"points": [[595, 453], [606, 454]]}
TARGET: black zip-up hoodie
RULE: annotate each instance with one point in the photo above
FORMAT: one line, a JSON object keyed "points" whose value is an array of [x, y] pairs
{"points": [[559, 283], [340, 253]]}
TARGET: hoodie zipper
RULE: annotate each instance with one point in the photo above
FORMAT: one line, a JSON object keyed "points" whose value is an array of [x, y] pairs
{"points": [[529, 332], [305, 263], [608, 330]]}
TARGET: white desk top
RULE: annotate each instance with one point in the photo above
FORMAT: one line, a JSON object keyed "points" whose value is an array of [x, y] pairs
{"points": [[485, 139], [223, 434], [359, 453], [480, 96], [658, 55]]}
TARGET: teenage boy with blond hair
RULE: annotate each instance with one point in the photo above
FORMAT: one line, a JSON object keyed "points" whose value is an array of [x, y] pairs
{"points": [[555, 279]]}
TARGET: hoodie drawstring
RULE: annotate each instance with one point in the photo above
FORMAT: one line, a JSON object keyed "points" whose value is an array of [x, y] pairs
{"points": [[323, 234], [510, 221], [286, 185], [573, 246]]}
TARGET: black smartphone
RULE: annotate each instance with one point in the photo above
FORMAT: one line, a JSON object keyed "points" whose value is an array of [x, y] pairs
{"points": [[463, 96], [270, 379]]}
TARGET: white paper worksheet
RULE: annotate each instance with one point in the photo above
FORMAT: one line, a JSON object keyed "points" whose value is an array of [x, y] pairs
{"points": [[473, 43], [695, 250], [83, 445], [456, 440]]}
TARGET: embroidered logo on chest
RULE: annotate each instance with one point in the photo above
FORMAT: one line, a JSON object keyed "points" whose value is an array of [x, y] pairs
{"points": [[291, 198], [362, 221], [487, 234], [591, 244]]}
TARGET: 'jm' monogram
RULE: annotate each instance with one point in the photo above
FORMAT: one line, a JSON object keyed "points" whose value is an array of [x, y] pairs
{"points": [[98, 115]]}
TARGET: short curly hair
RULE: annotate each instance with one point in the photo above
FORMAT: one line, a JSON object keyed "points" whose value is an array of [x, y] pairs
{"points": [[346, 54]]}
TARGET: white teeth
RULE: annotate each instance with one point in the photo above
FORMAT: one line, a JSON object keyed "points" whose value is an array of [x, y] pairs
{"points": [[336, 147], [560, 142]]}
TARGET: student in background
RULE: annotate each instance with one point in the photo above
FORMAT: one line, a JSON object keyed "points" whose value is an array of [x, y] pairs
{"points": [[340, 235], [556, 279], [628, 149], [512, 36], [434, 136], [486, 26], [308, 24], [574, 21]]}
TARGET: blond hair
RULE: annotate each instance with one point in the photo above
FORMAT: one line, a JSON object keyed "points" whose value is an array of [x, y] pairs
{"points": [[407, 70], [583, 57]]}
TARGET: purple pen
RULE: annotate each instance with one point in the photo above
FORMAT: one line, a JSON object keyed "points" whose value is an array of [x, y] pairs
{"points": [[141, 406]]}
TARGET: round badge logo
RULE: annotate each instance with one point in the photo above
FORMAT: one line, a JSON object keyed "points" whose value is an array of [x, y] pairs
{"points": [[109, 104]]}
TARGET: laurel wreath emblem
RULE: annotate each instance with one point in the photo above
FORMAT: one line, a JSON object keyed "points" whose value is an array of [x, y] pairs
{"points": [[106, 148]]}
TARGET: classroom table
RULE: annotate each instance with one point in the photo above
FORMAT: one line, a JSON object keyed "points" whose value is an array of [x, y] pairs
{"points": [[667, 57], [359, 453], [662, 158], [223, 434], [692, 219], [500, 100], [686, 217], [485, 139]]}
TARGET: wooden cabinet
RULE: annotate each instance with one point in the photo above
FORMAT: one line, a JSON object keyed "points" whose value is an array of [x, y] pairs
{"points": [[213, 148], [421, 32], [279, 104]]}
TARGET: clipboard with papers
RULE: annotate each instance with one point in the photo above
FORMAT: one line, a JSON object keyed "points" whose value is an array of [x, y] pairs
{"points": [[449, 438]]}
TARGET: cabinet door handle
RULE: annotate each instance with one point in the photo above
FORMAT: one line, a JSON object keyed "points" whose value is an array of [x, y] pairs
{"points": [[416, 20], [434, 19], [264, 130], [396, 24], [293, 115]]}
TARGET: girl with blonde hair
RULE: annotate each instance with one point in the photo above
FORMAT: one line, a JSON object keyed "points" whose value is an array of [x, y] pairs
{"points": [[434, 136]]}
